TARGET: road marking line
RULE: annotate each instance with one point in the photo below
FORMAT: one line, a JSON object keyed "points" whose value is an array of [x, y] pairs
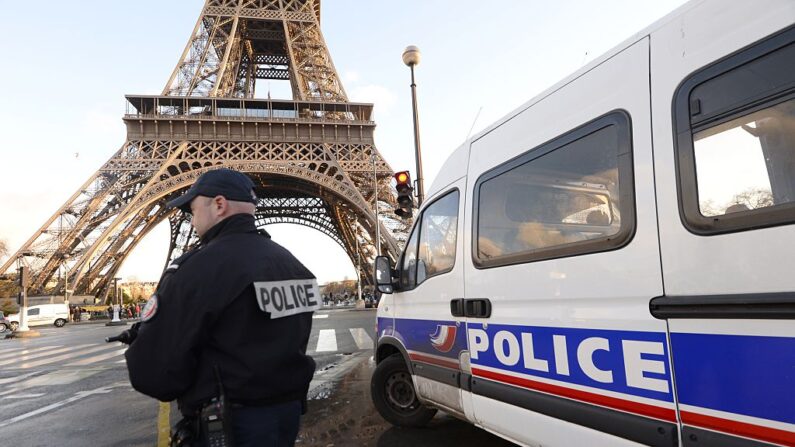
{"points": [[32, 352], [163, 424], [98, 358], [25, 396], [39, 355], [76, 397], [362, 339], [66, 356], [317, 317], [5, 380], [13, 350], [326, 341]]}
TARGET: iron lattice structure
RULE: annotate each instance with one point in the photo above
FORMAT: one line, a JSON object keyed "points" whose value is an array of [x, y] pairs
{"points": [[313, 158]]}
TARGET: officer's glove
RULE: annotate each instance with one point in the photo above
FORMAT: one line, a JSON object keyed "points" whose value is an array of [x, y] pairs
{"points": [[127, 336]]}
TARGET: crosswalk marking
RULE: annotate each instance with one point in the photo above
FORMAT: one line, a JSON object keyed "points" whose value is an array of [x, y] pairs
{"points": [[13, 355], [98, 358], [319, 316], [45, 352], [21, 358], [363, 341], [13, 379], [69, 355], [24, 396], [326, 341]]}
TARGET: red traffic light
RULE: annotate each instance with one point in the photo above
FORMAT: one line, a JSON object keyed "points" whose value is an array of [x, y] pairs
{"points": [[403, 177]]}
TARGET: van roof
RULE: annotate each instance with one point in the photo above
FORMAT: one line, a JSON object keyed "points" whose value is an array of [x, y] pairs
{"points": [[660, 23]]}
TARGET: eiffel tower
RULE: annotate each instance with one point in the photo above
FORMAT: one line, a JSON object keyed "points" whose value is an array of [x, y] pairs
{"points": [[313, 158]]}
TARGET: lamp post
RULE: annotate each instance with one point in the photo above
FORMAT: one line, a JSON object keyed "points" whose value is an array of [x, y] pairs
{"points": [[116, 321], [411, 57], [359, 300], [375, 207], [64, 258], [24, 274]]}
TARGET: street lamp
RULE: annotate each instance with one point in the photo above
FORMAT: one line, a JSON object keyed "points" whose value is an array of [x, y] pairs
{"points": [[411, 57], [65, 258], [375, 207]]}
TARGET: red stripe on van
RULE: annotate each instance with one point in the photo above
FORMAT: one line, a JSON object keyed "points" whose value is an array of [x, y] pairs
{"points": [[433, 360], [653, 411], [759, 432]]}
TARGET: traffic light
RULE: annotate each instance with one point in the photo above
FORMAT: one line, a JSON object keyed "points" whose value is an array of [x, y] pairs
{"points": [[405, 194]]}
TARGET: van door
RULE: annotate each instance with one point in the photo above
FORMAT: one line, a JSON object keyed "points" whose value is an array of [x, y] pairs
{"points": [[431, 278], [563, 262], [727, 226], [34, 316]]}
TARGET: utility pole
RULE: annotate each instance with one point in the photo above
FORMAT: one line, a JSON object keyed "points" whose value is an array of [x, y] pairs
{"points": [[24, 278]]}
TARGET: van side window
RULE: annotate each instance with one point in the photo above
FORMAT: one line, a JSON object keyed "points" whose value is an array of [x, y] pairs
{"points": [[435, 236], [571, 196], [33, 311], [408, 269], [438, 237], [736, 141]]}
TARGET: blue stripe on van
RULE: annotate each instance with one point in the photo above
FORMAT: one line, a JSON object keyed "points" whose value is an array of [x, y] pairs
{"points": [[748, 375]]}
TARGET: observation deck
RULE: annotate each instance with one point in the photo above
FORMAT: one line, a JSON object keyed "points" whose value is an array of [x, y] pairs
{"points": [[193, 118]]}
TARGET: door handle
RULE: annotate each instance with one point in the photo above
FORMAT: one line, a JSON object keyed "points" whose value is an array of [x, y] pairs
{"points": [[477, 308], [457, 307]]}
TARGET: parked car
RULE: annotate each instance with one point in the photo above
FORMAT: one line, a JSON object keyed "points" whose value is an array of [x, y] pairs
{"points": [[43, 314], [4, 323]]}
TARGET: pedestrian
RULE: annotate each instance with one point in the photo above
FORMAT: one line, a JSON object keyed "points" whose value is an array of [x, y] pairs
{"points": [[265, 299], [137, 312]]}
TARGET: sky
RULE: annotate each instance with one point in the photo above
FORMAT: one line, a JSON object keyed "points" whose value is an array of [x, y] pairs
{"points": [[67, 66]]}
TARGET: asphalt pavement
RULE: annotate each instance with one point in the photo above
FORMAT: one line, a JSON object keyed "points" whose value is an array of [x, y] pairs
{"points": [[70, 388]]}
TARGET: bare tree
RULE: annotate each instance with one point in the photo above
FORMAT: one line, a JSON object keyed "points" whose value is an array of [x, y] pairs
{"points": [[3, 248], [754, 198]]}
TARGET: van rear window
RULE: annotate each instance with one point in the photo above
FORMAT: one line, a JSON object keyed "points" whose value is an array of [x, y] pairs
{"points": [[735, 124], [567, 197]]}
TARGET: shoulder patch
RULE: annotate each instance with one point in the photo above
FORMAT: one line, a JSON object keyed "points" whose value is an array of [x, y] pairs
{"points": [[150, 310], [290, 297]]}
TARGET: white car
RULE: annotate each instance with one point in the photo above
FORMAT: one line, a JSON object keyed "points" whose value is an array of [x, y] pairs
{"points": [[43, 314]]}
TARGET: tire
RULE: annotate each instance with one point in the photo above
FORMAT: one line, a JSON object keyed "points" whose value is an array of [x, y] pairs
{"points": [[394, 396], [14, 325], [59, 322], [3, 327]]}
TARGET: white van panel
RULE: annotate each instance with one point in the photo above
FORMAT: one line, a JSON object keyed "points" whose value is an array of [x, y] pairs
{"points": [[580, 277], [727, 263], [453, 169], [594, 296]]}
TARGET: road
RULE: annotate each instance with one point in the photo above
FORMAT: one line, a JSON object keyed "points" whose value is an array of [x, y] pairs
{"points": [[69, 388]]}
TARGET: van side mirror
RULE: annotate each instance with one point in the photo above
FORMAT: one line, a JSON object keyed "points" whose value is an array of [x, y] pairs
{"points": [[383, 275]]}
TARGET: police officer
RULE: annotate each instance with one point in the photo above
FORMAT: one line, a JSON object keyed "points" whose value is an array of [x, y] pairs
{"points": [[232, 316]]}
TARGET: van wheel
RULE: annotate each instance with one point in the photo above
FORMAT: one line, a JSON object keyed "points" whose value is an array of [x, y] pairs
{"points": [[60, 322], [394, 397], [14, 325], [3, 327]]}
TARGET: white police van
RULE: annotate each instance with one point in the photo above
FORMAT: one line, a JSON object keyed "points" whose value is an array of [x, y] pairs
{"points": [[613, 263]]}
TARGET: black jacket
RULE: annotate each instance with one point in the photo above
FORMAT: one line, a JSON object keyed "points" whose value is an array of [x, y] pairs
{"points": [[210, 312]]}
